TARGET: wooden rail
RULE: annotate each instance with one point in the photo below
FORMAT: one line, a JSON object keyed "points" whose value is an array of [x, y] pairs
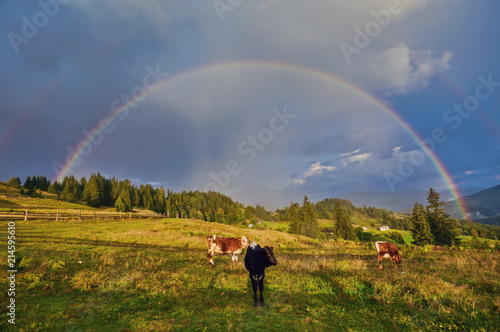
{"points": [[56, 215]]}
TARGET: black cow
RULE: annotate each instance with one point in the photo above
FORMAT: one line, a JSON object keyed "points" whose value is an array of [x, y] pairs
{"points": [[256, 261]]}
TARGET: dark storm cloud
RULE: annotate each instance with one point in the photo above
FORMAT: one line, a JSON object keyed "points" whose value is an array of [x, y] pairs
{"points": [[64, 80]]}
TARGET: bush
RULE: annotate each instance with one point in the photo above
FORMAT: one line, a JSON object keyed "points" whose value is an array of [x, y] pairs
{"points": [[396, 236], [476, 243], [363, 236], [120, 205]]}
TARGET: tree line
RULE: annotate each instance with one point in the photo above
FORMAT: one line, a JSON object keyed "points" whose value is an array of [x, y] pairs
{"points": [[98, 191], [304, 219], [432, 225], [429, 225]]}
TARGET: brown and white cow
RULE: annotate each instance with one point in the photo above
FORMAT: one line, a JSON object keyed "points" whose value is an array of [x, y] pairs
{"points": [[225, 245], [387, 250]]}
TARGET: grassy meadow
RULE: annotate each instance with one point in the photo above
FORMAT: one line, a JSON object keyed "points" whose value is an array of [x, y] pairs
{"points": [[153, 275]]}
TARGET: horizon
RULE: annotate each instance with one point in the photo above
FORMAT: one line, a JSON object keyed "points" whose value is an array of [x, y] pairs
{"points": [[263, 102], [444, 197]]}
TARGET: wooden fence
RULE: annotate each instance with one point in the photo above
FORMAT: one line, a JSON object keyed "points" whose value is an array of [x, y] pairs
{"points": [[56, 215]]}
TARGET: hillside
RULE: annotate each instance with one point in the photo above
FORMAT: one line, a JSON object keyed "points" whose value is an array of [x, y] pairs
{"points": [[222, 209], [395, 201], [143, 275], [401, 200], [152, 274], [481, 205], [73, 196]]}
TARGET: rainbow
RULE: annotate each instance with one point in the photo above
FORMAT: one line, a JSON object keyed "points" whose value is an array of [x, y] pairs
{"points": [[443, 172]]}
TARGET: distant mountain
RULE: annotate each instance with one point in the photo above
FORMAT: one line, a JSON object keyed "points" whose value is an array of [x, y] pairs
{"points": [[401, 200], [481, 205], [490, 221], [446, 195], [390, 200]]}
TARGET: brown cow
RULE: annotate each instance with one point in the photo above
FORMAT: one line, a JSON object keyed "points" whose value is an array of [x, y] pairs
{"points": [[387, 250], [225, 245]]}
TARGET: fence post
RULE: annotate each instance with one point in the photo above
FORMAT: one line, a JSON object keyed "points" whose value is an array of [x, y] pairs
{"points": [[120, 214], [107, 215], [80, 214], [130, 215], [57, 215], [94, 214], [26, 215]]}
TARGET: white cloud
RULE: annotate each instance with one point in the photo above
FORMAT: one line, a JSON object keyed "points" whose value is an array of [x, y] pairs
{"points": [[316, 169], [401, 70], [298, 181], [347, 154], [396, 149], [359, 158]]}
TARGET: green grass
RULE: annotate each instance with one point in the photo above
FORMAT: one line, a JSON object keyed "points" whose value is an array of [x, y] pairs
{"points": [[153, 275], [40, 205]]}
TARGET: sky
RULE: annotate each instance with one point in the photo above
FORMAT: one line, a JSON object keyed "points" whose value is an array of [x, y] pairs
{"points": [[264, 100]]}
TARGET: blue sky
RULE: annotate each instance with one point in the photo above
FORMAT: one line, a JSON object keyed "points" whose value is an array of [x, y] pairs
{"points": [[266, 101]]}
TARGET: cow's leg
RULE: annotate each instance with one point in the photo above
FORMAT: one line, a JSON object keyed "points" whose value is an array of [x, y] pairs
{"points": [[390, 258], [255, 283], [235, 258], [261, 289], [210, 259], [379, 260]]}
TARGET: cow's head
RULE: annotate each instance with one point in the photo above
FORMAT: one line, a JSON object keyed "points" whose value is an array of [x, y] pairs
{"points": [[397, 259], [244, 242], [270, 255]]}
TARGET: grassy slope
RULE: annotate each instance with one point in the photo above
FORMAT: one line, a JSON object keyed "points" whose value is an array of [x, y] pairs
{"points": [[12, 201], [144, 275], [140, 275]]}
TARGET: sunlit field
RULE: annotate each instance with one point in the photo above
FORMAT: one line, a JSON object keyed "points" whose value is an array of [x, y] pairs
{"points": [[153, 275]]}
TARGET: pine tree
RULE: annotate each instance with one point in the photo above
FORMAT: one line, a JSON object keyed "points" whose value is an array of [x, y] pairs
{"points": [[137, 197], [71, 191], [120, 206], [219, 215], [295, 222], [29, 185], [343, 228], [308, 220], [160, 201], [440, 223], [126, 195], [83, 182], [421, 230], [14, 183], [249, 212], [41, 182], [91, 192]]}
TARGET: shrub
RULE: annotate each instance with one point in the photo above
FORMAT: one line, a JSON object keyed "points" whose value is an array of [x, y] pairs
{"points": [[396, 236]]}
